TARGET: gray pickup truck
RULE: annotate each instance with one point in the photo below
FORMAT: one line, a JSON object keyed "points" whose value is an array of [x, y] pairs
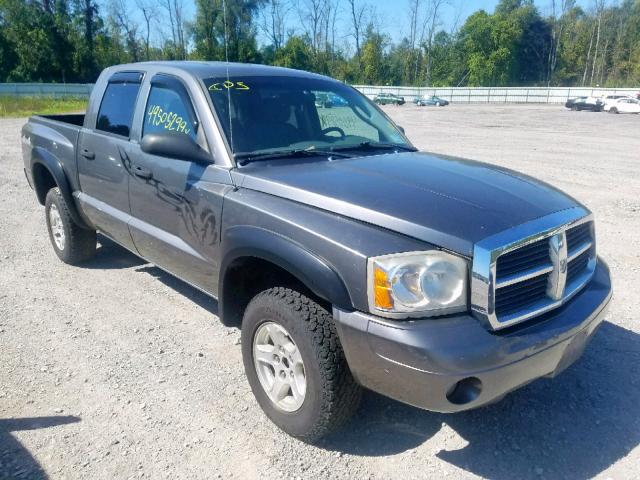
{"points": [[347, 258]]}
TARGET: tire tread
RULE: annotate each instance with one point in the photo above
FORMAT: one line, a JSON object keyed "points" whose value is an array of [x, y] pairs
{"points": [[80, 243], [340, 391]]}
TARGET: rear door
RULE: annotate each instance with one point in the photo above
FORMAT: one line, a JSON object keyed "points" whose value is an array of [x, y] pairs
{"points": [[102, 159], [176, 204]]}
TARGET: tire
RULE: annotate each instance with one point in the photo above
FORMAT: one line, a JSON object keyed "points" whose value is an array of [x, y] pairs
{"points": [[72, 244], [437, 104], [575, 108], [331, 395], [613, 110]]}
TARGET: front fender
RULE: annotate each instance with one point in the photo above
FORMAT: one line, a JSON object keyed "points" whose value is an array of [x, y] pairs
{"points": [[315, 273]]}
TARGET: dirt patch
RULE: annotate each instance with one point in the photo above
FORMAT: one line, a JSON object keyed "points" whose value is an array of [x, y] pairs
{"points": [[118, 370]]}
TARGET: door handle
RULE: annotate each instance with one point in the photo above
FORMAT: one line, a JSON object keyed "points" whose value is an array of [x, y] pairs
{"points": [[142, 172], [88, 154]]}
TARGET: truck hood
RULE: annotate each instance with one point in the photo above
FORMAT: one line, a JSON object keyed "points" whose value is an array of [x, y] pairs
{"points": [[449, 202]]}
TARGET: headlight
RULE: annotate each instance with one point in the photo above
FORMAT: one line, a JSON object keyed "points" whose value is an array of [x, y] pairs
{"points": [[417, 284]]}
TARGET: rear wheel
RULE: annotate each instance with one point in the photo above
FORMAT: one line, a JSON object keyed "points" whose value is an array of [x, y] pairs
{"points": [[295, 364], [72, 244]]}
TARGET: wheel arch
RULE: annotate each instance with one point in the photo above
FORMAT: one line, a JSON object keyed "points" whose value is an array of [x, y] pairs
{"points": [[255, 259], [48, 172]]}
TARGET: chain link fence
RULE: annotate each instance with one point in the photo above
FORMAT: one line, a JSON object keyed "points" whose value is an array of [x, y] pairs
{"points": [[46, 89], [453, 94], [553, 95]]}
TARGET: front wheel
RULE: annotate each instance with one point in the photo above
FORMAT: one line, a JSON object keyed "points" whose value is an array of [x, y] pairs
{"points": [[295, 364], [72, 244], [613, 110]]}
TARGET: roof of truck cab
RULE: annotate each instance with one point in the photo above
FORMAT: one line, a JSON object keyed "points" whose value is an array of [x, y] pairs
{"points": [[220, 69]]}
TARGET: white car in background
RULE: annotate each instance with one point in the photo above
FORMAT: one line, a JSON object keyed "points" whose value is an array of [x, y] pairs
{"points": [[610, 100], [623, 105]]}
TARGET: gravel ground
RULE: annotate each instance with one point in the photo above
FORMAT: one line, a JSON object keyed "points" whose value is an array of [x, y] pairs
{"points": [[118, 370]]}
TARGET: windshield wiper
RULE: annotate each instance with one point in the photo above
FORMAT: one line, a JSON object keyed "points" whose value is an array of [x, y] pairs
{"points": [[246, 157], [378, 146]]}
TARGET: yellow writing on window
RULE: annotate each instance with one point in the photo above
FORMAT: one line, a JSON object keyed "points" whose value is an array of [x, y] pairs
{"points": [[171, 121], [228, 85]]}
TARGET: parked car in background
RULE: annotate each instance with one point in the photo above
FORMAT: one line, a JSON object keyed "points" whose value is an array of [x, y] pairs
{"points": [[623, 105], [584, 103], [328, 100], [388, 99], [610, 99], [432, 100]]}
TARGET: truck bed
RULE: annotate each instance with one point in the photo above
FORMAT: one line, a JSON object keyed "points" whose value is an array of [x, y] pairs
{"points": [[58, 135], [72, 118]]}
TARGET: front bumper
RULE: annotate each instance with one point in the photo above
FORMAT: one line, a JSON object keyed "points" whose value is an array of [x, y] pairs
{"points": [[455, 363]]}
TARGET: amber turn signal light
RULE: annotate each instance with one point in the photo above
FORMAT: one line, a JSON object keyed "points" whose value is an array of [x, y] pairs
{"points": [[382, 290]]}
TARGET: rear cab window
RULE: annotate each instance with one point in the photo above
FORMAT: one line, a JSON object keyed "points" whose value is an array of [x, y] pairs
{"points": [[118, 103]]}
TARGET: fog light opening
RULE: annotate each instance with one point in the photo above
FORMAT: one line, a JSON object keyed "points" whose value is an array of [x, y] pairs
{"points": [[465, 391]]}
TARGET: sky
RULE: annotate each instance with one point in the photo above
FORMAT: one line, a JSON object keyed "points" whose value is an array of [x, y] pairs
{"points": [[392, 15], [395, 13]]}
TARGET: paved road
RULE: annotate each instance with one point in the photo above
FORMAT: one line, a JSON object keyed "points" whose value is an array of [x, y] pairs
{"points": [[117, 370]]}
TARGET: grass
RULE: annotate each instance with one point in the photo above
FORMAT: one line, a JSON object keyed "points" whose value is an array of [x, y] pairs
{"points": [[11, 106]]}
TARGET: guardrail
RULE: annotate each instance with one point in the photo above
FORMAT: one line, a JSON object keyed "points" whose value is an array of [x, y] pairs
{"points": [[453, 94], [46, 89], [497, 95]]}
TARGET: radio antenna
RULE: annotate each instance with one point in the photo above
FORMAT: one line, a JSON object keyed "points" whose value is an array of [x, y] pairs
{"points": [[228, 82]]}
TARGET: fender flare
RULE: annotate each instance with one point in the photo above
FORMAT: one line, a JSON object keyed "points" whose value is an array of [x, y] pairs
{"points": [[315, 273], [55, 168]]}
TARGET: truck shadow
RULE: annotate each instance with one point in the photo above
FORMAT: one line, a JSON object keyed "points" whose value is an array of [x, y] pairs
{"points": [[111, 256], [574, 426], [15, 459], [196, 296]]}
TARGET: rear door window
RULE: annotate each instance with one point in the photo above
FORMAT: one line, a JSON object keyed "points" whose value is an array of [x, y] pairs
{"points": [[119, 103]]}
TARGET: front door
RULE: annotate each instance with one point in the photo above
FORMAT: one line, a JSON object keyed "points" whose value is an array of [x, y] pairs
{"points": [[176, 205]]}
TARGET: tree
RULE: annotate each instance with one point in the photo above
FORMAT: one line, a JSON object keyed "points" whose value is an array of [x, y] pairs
{"points": [[431, 22], [489, 44], [274, 19], [149, 14], [207, 30], [225, 30], [177, 48], [532, 47], [73, 40], [358, 19], [557, 27], [296, 53], [373, 58], [121, 18], [87, 25]]}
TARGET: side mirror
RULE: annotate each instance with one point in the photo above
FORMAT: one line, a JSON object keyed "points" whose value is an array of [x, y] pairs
{"points": [[400, 128], [174, 145]]}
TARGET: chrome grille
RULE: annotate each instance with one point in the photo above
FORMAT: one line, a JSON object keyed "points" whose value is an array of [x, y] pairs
{"points": [[520, 295], [518, 261], [577, 266], [532, 268]]}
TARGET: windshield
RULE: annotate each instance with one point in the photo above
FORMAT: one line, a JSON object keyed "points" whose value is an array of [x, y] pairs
{"points": [[263, 114]]}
